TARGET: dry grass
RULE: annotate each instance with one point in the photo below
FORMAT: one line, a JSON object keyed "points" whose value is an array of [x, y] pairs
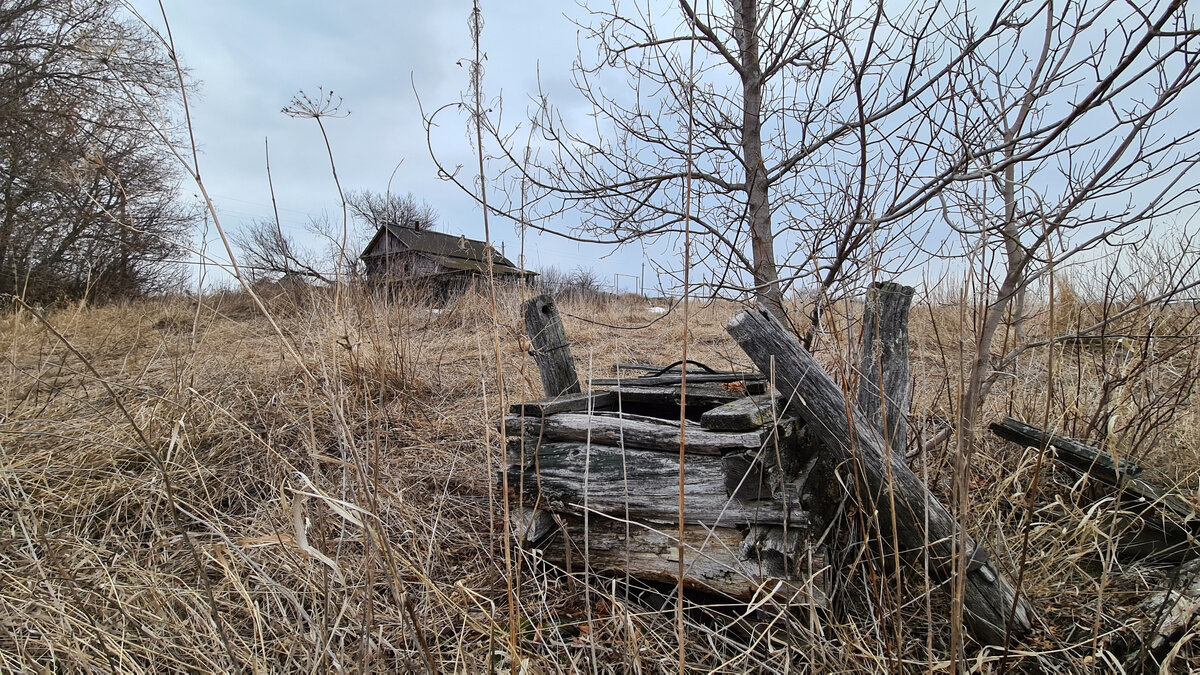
{"points": [[179, 493]]}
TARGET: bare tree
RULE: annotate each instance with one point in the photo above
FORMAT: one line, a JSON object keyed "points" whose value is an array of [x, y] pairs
{"points": [[89, 198], [838, 141], [377, 209], [266, 253]]}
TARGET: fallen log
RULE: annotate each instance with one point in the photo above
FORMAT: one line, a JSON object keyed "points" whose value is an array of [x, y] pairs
{"points": [[1069, 451], [893, 492], [632, 433], [723, 560], [635, 484], [1166, 524]]}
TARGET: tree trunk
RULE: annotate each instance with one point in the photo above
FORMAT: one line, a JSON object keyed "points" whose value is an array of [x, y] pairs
{"points": [[758, 197], [901, 501]]}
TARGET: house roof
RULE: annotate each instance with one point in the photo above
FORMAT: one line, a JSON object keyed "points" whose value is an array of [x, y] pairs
{"points": [[454, 251]]}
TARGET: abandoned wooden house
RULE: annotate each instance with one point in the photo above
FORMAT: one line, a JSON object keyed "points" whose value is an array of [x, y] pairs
{"points": [[411, 254]]}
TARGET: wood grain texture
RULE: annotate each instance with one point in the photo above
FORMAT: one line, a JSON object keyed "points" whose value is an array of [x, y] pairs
{"points": [[717, 560], [883, 369], [598, 400], [551, 351], [894, 492], [743, 414], [644, 433], [639, 485]]}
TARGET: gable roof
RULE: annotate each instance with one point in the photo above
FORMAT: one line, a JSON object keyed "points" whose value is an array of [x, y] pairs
{"points": [[455, 252]]}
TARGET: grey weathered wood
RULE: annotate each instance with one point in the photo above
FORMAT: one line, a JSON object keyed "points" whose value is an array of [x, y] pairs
{"points": [[1069, 451], [883, 371], [668, 379], [641, 485], [715, 559], [530, 525], [631, 394], [784, 553], [748, 412], [745, 477], [633, 433], [1120, 475], [709, 394], [699, 395], [551, 351], [884, 479], [597, 400]]}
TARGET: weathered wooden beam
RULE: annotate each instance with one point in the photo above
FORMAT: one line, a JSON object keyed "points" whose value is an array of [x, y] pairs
{"points": [[632, 433], [551, 350], [1121, 475], [700, 395], [894, 492], [709, 394], [1069, 451], [747, 412], [692, 378], [631, 394], [639, 485], [717, 559], [883, 386], [597, 400]]}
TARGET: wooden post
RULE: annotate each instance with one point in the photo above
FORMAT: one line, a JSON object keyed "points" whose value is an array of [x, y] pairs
{"points": [[883, 388], [551, 351], [897, 497]]}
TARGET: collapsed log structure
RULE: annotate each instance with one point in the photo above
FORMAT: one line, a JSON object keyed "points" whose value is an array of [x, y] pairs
{"points": [[597, 475], [601, 469], [907, 516]]}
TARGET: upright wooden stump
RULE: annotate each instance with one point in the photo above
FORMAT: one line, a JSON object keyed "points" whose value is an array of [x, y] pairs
{"points": [[883, 388], [551, 351], [892, 492]]}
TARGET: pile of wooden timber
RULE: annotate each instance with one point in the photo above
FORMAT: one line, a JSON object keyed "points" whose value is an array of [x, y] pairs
{"points": [[602, 470], [606, 464]]}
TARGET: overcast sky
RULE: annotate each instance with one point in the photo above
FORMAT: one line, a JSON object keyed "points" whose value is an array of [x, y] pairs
{"points": [[250, 58]]}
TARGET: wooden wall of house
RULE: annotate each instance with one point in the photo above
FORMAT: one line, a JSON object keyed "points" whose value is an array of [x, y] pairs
{"points": [[402, 265]]}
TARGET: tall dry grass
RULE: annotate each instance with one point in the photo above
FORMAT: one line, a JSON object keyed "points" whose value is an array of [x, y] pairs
{"points": [[180, 493]]}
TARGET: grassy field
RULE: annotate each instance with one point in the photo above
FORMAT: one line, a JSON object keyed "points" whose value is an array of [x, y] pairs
{"points": [[187, 485]]}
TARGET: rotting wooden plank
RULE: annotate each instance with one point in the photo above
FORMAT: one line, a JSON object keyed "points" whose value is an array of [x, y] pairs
{"points": [[715, 559], [640, 485], [692, 378], [633, 433], [883, 387], [631, 394], [551, 350], [891, 488], [709, 394], [701, 395], [1136, 494], [744, 414], [1069, 451], [597, 400]]}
